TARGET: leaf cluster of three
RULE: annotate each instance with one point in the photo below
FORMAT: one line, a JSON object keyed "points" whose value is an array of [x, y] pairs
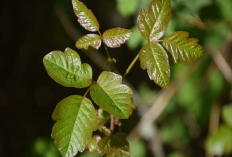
{"points": [[75, 115]]}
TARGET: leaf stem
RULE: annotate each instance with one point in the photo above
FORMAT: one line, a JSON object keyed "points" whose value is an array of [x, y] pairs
{"points": [[112, 123], [111, 62], [87, 91], [131, 65]]}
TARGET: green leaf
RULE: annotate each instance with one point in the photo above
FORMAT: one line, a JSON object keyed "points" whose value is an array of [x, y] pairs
{"points": [[85, 16], [221, 142], [92, 144], [67, 70], [180, 47], [106, 131], [227, 115], [111, 95], [109, 144], [76, 120], [115, 154], [89, 43], [153, 23], [154, 58], [116, 36]]}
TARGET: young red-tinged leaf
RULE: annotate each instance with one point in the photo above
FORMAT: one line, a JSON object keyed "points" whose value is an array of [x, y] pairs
{"points": [[116, 142], [85, 16], [154, 58], [67, 70], [182, 48], [92, 144], [160, 12], [116, 36], [144, 23], [76, 120], [111, 95], [153, 23], [89, 43]]}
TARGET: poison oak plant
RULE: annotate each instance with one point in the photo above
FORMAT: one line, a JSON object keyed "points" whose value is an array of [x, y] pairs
{"points": [[75, 115]]}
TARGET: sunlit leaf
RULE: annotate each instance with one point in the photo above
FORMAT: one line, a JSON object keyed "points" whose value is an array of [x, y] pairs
{"points": [[85, 16], [221, 142], [92, 144], [76, 120], [182, 48], [111, 95], [113, 143], [116, 36], [154, 22], [227, 114], [144, 23], [89, 43], [154, 58], [106, 131], [67, 70]]}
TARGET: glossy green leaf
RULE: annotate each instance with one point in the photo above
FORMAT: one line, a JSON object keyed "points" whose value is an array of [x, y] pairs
{"points": [[221, 142], [154, 58], [111, 95], [106, 131], [89, 43], [85, 16], [182, 48], [109, 144], [92, 144], [227, 115], [76, 120], [67, 70], [116, 36], [153, 23], [103, 118]]}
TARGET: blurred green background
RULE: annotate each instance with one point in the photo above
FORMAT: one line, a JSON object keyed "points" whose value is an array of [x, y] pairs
{"points": [[197, 121]]}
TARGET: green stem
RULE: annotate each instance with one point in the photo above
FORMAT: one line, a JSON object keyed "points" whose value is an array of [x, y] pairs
{"points": [[130, 66], [111, 62], [87, 91]]}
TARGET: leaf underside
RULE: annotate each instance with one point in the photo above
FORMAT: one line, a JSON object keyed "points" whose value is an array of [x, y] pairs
{"points": [[153, 23], [111, 95], [116, 36], [154, 58], [89, 43], [76, 120], [67, 70], [85, 16], [183, 48], [107, 145]]}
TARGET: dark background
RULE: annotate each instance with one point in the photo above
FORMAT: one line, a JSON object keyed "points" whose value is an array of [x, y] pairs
{"points": [[31, 29]]}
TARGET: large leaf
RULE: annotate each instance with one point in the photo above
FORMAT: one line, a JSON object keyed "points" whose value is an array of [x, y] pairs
{"points": [[67, 70], [154, 58], [85, 16], [153, 23], [111, 95], [221, 142], [76, 120], [116, 36], [109, 144], [180, 47], [227, 115], [89, 43]]}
